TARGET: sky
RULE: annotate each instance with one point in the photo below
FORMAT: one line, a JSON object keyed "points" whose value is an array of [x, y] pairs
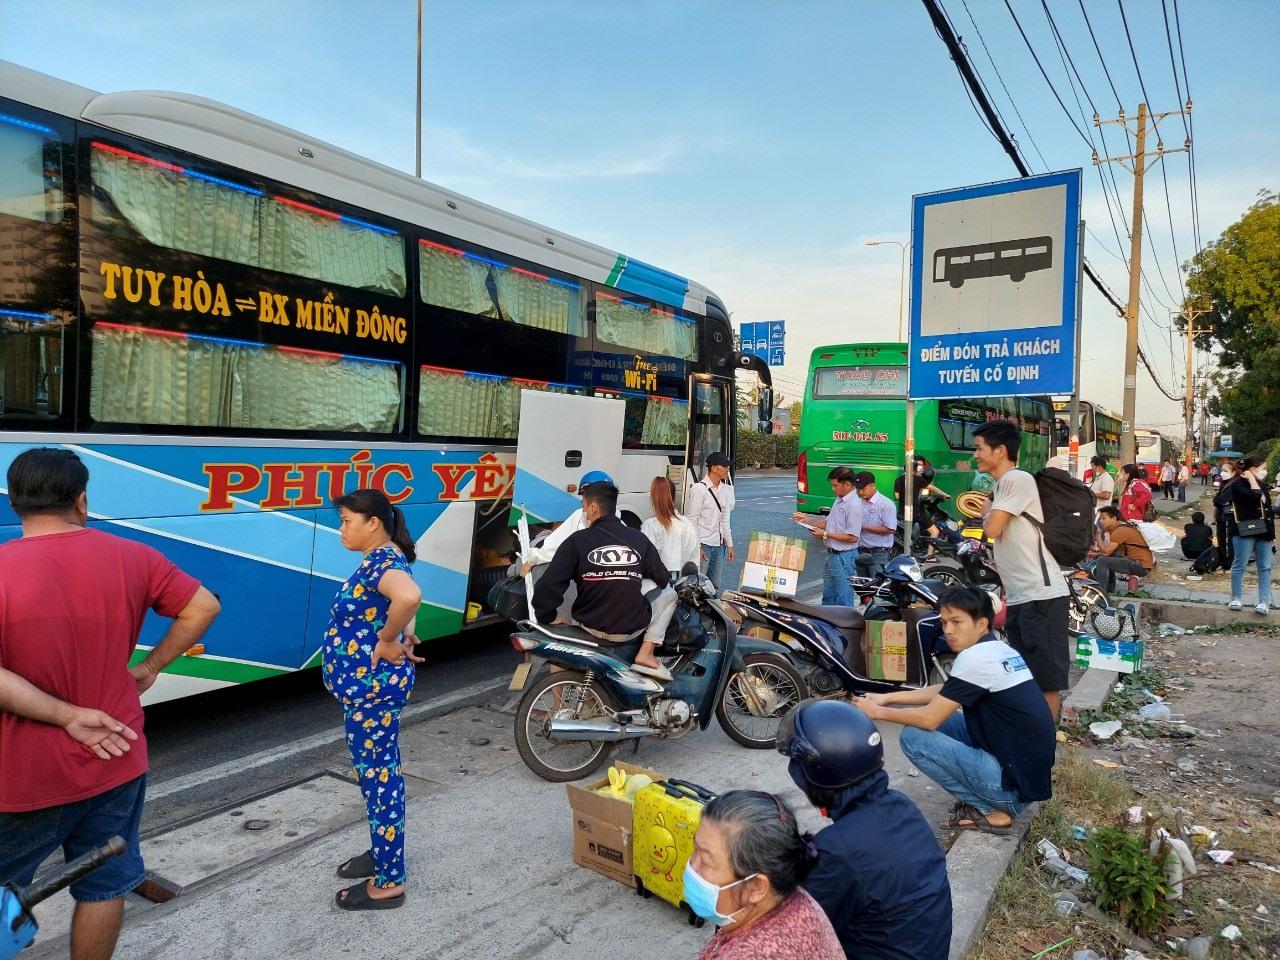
{"points": [[752, 146]]}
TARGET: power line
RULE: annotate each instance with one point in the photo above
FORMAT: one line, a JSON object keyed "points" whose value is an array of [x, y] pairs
{"points": [[1044, 73], [1191, 133]]}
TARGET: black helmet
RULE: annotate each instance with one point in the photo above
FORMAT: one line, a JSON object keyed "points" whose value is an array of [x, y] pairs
{"points": [[832, 744]]}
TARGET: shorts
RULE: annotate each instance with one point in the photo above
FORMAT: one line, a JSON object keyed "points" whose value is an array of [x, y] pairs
{"points": [[27, 839], [1037, 629]]}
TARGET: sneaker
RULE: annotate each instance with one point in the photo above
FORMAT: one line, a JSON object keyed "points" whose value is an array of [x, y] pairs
{"points": [[1234, 605], [1262, 609]]}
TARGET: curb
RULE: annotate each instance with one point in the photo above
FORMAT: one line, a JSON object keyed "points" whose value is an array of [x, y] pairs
{"points": [[977, 862]]}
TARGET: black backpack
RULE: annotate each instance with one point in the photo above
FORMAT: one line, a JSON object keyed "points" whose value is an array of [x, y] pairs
{"points": [[1208, 561], [1067, 505]]}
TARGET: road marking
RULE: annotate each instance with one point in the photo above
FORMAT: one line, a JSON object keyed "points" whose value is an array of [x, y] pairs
{"points": [[328, 738]]}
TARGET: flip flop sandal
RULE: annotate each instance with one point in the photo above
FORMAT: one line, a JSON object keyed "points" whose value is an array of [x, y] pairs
{"points": [[358, 867], [357, 898], [977, 822], [658, 673]]}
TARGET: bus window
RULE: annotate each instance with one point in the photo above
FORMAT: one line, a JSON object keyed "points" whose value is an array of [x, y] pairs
{"points": [[474, 283], [835, 382], [187, 208], [651, 421], [640, 325], [461, 403], [709, 431], [37, 268], [147, 376]]}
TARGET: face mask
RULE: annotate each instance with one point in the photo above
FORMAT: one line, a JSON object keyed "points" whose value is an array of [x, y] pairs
{"points": [[703, 895], [1261, 473]]}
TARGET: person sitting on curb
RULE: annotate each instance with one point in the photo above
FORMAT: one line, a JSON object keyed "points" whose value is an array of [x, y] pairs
{"points": [[998, 755], [881, 875], [1125, 550], [1197, 536]]}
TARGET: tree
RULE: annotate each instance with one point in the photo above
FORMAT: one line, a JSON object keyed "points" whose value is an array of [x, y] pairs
{"points": [[795, 414], [1238, 276]]}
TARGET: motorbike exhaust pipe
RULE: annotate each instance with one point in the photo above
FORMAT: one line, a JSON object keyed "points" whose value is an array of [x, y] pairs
{"points": [[596, 731]]}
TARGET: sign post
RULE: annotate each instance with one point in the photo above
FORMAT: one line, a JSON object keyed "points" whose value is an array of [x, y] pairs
{"points": [[995, 295]]}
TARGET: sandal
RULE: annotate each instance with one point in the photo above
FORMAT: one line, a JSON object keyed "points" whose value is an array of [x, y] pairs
{"points": [[658, 672], [969, 817], [357, 898], [357, 868]]}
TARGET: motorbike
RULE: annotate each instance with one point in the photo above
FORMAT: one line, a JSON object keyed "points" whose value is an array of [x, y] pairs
{"points": [[977, 569], [569, 720], [828, 640], [950, 532]]}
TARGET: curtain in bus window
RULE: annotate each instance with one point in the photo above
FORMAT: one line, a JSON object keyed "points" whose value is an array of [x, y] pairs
{"points": [[535, 302], [454, 281], [666, 422], [179, 212], [29, 188], [139, 377], [184, 212], [309, 245], [452, 403], [640, 328], [29, 385]]}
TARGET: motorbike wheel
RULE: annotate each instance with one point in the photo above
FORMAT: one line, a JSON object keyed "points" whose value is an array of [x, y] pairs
{"points": [[560, 694], [949, 575], [1083, 599], [757, 697], [940, 672]]}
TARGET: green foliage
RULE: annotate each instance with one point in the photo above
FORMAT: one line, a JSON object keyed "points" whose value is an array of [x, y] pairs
{"points": [[1265, 448], [1128, 880], [1273, 462], [797, 408], [1239, 276], [766, 449]]}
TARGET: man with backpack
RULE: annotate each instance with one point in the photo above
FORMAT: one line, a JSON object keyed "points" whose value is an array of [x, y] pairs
{"points": [[1036, 593]]}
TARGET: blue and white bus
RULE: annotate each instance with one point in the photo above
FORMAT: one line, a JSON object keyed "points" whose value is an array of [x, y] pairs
{"points": [[232, 322]]}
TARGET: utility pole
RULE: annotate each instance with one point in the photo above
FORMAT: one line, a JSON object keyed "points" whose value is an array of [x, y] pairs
{"points": [[1137, 164], [417, 150], [1189, 313]]}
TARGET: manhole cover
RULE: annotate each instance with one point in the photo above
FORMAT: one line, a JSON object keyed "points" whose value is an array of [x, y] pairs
{"points": [[257, 824]]}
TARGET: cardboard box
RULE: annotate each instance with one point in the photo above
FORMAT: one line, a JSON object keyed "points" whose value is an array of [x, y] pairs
{"points": [[762, 578], [885, 646], [602, 827], [775, 550], [1122, 656]]}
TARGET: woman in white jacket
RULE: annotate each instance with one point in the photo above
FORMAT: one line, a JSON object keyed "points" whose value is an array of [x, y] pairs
{"points": [[673, 534]]}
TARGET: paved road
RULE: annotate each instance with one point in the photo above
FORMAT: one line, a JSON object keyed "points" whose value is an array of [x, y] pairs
{"points": [[196, 743]]}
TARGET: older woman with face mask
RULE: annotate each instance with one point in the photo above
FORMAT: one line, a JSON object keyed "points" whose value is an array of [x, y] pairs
{"points": [[744, 876]]}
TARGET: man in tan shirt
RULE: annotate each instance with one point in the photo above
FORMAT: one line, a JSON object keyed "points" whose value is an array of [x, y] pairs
{"points": [[1125, 551]]}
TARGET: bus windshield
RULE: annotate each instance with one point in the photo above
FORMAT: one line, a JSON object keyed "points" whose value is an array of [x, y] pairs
{"points": [[830, 382]]}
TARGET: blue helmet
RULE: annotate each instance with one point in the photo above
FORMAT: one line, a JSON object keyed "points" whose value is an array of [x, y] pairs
{"points": [[832, 744], [593, 476]]}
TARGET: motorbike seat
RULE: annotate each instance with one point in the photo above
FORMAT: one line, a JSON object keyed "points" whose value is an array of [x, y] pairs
{"points": [[839, 616], [572, 633], [936, 587]]}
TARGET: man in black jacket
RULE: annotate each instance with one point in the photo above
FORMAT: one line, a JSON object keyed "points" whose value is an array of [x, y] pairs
{"points": [[881, 875], [609, 563]]}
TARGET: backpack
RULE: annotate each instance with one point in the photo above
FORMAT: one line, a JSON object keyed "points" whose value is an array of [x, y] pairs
{"points": [[1209, 561], [1067, 505]]}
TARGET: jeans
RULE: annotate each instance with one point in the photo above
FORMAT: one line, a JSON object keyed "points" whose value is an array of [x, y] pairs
{"points": [[714, 569], [1182, 493], [948, 758], [871, 560], [1259, 550], [1104, 570], [839, 567]]}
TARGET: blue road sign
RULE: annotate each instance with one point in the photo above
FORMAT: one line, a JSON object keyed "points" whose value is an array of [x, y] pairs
{"points": [[776, 356], [994, 274], [747, 332], [777, 333]]}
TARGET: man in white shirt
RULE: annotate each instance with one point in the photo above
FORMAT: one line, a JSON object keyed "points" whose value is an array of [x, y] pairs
{"points": [[546, 550], [839, 531], [709, 504], [1184, 477], [1035, 590], [879, 523], [1101, 483]]}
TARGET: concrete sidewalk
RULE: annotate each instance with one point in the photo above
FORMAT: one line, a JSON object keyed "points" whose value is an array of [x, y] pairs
{"points": [[489, 853]]}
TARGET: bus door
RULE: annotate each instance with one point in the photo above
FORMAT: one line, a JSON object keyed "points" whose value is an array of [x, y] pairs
{"points": [[710, 425], [561, 437]]}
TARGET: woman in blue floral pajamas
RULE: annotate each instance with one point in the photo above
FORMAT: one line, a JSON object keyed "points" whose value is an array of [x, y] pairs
{"points": [[368, 664]]}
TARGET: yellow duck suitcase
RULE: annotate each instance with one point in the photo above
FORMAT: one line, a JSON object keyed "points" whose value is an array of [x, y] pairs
{"points": [[666, 818]]}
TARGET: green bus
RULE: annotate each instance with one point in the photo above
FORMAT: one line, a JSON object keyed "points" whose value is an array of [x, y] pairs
{"points": [[854, 415]]}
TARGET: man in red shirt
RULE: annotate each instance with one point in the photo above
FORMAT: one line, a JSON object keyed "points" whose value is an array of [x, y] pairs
{"points": [[73, 760]]}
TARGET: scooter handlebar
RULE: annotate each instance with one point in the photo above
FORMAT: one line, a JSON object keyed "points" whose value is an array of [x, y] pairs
{"points": [[69, 874]]}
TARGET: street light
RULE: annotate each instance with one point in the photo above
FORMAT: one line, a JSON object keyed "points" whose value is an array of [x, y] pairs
{"points": [[902, 277]]}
